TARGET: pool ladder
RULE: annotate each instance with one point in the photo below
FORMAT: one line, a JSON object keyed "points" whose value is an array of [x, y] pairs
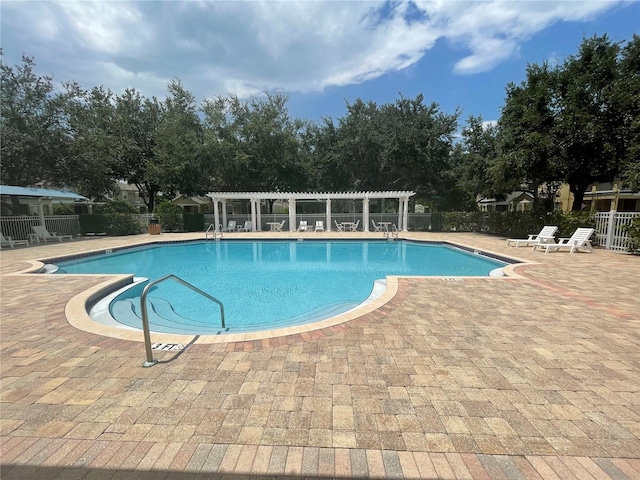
{"points": [[216, 233], [391, 234], [150, 361]]}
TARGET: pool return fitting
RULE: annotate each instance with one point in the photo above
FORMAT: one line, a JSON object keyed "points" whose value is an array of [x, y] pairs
{"points": [[150, 361]]}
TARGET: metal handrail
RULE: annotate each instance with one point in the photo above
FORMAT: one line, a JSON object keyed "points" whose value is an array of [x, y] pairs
{"points": [[216, 231], [391, 234], [145, 318]]}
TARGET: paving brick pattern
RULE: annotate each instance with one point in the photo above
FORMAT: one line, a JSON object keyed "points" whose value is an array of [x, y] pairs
{"points": [[485, 378]]}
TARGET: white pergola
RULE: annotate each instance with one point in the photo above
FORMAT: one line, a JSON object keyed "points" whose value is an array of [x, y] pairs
{"points": [[292, 197]]}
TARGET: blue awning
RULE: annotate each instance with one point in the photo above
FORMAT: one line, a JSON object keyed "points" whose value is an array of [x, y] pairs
{"points": [[47, 193]]}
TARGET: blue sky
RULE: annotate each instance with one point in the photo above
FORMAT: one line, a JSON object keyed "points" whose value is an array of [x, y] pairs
{"points": [[459, 54]]}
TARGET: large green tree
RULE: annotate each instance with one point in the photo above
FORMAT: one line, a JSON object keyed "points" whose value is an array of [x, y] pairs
{"points": [[589, 124], [32, 125], [179, 166], [525, 159]]}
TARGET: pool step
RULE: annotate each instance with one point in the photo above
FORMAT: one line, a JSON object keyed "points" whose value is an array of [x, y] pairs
{"points": [[162, 317]]}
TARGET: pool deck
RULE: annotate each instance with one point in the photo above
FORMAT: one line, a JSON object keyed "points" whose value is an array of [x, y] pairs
{"points": [[531, 376]]}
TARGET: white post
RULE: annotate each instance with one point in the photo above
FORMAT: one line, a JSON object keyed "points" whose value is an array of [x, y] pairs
{"points": [[328, 203], [405, 214], [365, 214], [400, 210], [292, 214], [253, 214], [224, 213], [41, 212], [216, 214], [610, 229], [259, 224]]}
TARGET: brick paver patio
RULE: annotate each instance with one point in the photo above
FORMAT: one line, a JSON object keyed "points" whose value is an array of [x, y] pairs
{"points": [[535, 376]]}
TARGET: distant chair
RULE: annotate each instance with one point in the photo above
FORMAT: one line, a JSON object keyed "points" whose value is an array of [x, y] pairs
{"points": [[579, 239], [248, 227], [303, 227], [231, 226], [354, 227], [281, 226], [43, 234], [376, 228], [319, 226], [339, 226], [11, 242]]}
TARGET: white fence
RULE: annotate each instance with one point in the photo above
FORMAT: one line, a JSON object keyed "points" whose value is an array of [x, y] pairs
{"points": [[19, 227], [610, 233]]}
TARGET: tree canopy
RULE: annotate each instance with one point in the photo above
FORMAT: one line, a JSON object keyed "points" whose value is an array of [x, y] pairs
{"points": [[577, 122]]}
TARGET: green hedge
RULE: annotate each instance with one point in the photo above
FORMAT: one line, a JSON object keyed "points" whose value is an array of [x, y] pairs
{"points": [[122, 224], [193, 222], [513, 224]]}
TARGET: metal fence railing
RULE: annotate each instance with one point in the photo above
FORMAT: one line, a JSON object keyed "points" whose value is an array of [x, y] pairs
{"points": [[19, 227], [610, 229]]}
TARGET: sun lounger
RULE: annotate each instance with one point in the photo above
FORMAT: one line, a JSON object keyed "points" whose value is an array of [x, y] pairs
{"points": [[545, 236], [579, 240], [43, 234]]}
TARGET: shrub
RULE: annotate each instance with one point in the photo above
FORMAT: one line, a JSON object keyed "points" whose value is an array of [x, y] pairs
{"points": [[634, 235], [63, 209], [170, 215], [193, 222], [117, 206], [122, 224]]}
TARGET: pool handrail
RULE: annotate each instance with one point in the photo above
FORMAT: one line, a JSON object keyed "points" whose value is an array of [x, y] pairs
{"points": [[214, 231], [150, 361]]}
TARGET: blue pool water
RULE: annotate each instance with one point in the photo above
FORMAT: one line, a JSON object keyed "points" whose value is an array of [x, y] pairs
{"points": [[267, 284]]}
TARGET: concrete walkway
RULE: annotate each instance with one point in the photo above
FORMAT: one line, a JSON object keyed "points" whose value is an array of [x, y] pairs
{"points": [[535, 376]]}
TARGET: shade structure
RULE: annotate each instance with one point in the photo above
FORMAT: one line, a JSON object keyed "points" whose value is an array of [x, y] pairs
{"points": [[292, 197]]}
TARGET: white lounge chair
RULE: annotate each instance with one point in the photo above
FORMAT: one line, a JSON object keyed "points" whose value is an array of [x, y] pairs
{"points": [[546, 235], [579, 239], [43, 234], [319, 226], [231, 226], [11, 242], [248, 226], [303, 227]]}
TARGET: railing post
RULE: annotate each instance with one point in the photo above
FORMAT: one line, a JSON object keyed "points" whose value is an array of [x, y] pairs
{"points": [[610, 229], [150, 361]]}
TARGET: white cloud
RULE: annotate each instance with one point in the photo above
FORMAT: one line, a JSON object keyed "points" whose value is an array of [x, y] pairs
{"points": [[245, 47]]}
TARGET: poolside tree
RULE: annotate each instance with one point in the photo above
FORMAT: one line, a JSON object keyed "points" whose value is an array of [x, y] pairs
{"points": [[179, 164], [32, 125], [590, 119], [627, 93], [525, 152]]}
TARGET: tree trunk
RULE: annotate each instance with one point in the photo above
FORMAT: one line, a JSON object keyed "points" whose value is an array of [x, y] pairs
{"points": [[578, 196]]}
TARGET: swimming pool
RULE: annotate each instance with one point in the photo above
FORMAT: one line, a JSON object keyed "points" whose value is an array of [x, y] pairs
{"points": [[266, 285]]}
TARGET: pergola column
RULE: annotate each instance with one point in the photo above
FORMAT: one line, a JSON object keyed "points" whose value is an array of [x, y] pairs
{"points": [[259, 215], [328, 204], [224, 212], [292, 214], [365, 214], [253, 214], [405, 214], [216, 214]]}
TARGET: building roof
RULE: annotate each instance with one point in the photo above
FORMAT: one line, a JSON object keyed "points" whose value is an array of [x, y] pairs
{"points": [[47, 193]]}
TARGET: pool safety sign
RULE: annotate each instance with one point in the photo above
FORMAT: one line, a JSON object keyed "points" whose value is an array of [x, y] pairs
{"points": [[168, 347]]}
